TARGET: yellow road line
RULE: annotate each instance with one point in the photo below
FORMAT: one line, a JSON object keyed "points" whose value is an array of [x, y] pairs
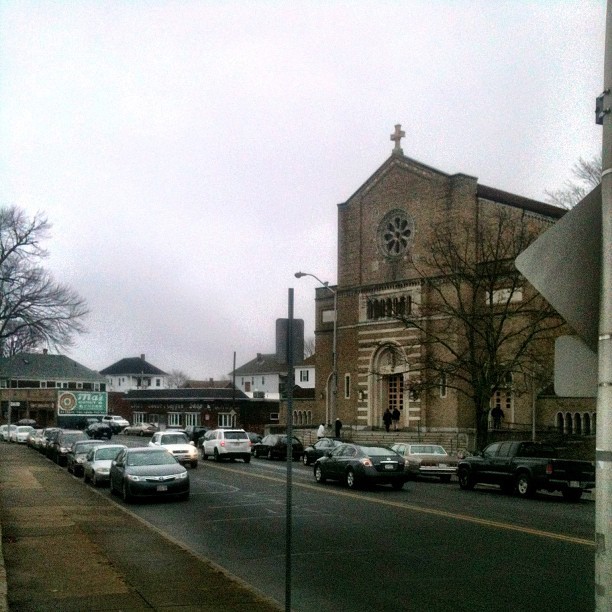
{"points": [[431, 511]]}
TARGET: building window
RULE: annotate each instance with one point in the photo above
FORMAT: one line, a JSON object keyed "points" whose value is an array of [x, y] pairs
{"points": [[157, 382], [263, 380], [139, 417], [174, 419], [395, 233], [303, 375], [386, 306], [192, 419], [96, 386], [226, 419], [274, 417], [79, 385], [247, 386], [347, 386], [443, 389], [328, 316], [396, 391]]}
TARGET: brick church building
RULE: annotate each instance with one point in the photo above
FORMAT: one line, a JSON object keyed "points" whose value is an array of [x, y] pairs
{"points": [[385, 232]]}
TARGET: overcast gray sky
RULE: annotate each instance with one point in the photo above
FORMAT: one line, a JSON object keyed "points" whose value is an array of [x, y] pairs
{"points": [[191, 155]]}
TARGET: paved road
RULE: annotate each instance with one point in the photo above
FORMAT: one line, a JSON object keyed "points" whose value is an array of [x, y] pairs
{"points": [[429, 547]]}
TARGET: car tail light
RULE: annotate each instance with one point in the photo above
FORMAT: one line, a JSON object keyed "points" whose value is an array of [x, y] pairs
{"points": [[222, 443], [367, 462], [549, 468]]}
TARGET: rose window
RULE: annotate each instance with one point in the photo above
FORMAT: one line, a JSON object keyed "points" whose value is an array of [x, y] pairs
{"points": [[396, 232]]}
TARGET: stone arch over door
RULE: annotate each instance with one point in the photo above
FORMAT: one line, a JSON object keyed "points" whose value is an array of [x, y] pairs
{"points": [[388, 373]]}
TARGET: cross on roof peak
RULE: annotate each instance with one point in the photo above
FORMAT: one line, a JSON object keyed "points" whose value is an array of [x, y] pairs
{"points": [[397, 137]]}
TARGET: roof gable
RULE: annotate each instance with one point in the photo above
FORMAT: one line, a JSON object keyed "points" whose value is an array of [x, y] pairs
{"points": [[43, 366], [132, 366]]}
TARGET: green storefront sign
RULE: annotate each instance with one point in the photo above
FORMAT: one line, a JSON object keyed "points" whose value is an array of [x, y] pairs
{"points": [[80, 403]]}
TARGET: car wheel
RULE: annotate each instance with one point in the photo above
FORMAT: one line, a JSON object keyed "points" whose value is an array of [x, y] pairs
{"points": [[305, 459], [524, 485], [351, 481], [125, 494], [318, 474], [194, 464], [572, 495], [217, 456], [465, 479], [247, 458], [397, 484]]}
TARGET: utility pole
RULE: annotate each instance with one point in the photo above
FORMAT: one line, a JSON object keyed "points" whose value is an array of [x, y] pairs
{"points": [[603, 455]]}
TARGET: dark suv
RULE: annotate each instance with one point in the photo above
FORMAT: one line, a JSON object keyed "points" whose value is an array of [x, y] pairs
{"points": [[195, 433], [60, 445], [99, 431]]}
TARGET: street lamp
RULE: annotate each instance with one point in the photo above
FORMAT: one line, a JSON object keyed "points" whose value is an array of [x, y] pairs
{"points": [[334, 345]]}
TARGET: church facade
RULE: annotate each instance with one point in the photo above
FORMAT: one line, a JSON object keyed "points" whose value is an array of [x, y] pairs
{"points": [[385, 232]]}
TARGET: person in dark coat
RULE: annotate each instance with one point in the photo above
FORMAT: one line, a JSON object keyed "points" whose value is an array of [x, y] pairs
{"points": [[338, 427], [387, 418], [396, 417]]}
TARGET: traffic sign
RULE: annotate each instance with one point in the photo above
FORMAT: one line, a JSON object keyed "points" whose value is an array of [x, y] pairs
{"points": [[564, 265]]}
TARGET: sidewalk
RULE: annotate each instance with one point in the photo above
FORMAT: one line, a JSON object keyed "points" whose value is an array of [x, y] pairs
{"points": [[66, 547]]}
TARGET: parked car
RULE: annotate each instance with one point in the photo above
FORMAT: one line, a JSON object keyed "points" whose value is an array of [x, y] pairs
{"points": [[21, 433], [359, 464], [226, 444], [6, 430], [140, 429], [524, 467], [427, 460], [184, 452], [254, 437], [195, 433], [99, 431], [97, 464], [117, 422], [51, 436], [75, 457], [318, 449], [274, 446], [48, 434], [35, 438], [60, 445], [146, 472]]}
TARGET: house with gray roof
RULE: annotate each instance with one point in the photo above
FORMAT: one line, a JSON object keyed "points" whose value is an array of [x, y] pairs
{"points": [[44, 387], [134, 373]]}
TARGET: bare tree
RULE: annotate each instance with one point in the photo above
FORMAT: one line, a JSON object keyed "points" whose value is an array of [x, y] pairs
{"points": [[177, 379], [481, 325], [309, 347], [34, 309], [587, 175]]}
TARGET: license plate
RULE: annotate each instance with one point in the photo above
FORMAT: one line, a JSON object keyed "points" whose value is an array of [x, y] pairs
{"points": [[574, 484], [162, 487], [388, 466]]}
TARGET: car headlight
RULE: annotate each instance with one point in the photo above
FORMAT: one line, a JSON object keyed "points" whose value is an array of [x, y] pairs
{"points": [[133, 477], [104, 471], [181, 476]]}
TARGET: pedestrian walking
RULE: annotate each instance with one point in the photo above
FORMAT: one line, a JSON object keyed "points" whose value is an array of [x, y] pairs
{"points": [[321, 431], [387, 418], [498, 414], [338, 427], [395, 415]]}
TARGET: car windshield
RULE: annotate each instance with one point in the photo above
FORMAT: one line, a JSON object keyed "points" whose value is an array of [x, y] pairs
{"points": [[150, 458], [377, 451], [174, 439], [427, 449], [83, 447], [107, 453]]}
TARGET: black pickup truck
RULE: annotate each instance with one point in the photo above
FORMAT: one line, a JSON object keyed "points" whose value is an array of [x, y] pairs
{"points": [[526, 467]]}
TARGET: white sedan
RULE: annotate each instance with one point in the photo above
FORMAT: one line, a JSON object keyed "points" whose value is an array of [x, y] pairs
{"points": [[179, 445]]}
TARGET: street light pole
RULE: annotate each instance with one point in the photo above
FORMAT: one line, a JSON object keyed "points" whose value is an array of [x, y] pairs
{"points": [[334, 391]]}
